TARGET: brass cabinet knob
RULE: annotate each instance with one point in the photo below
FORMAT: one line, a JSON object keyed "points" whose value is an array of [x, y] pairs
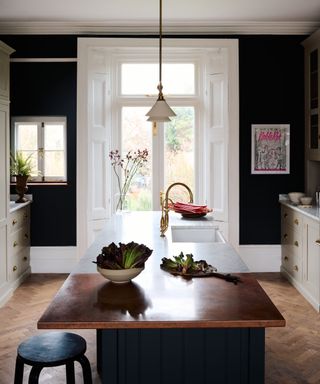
{"points": [[286, 258], [14, 222], [296, 221], [14, 268], [317, 242], [296, 268], [15, 243], [296, 243], [285, 236]]}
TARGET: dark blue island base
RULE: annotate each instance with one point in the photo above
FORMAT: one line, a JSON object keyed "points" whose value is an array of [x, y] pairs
{"points": [[181, 356]]}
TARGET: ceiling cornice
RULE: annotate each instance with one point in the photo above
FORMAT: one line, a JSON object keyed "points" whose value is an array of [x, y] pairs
{"points": [[170, 27]]}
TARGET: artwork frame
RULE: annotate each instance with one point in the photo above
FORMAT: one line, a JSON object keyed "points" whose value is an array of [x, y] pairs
{"points": [[270, 149]]}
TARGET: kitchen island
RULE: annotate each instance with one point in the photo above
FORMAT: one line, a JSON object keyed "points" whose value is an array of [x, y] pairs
{"points": [[165, 329]]}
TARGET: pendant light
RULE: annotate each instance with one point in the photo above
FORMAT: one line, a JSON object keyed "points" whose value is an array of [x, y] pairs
{"points": [[160, 110]]}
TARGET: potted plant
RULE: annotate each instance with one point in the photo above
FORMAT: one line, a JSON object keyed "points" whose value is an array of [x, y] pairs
{"points": [[122, 263], [21, 169]]}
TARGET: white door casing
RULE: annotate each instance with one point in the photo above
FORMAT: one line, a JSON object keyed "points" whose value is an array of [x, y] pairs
{"points": [[95, 137]]}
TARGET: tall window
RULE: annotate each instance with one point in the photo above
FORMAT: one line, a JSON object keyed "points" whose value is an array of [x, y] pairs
{"points": [[172, 147], [44, 140]]}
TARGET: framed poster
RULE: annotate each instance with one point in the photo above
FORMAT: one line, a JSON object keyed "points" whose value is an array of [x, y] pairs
{"points": [[270, 149]]}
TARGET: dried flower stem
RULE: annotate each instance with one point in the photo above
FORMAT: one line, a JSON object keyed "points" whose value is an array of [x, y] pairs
{"points": [[130, 164]]}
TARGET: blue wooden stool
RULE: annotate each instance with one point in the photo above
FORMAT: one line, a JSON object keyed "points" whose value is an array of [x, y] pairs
{"points": [[51, 350]]}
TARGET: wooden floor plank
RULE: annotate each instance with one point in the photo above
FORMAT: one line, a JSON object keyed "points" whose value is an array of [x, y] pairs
{"points": [[292, 353]]}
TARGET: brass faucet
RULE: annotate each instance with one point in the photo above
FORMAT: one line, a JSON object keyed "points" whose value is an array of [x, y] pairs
{"points": [[164, 202]]}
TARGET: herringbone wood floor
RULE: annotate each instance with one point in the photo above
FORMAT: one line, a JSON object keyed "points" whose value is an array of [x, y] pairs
{"points": [[292, 353]]}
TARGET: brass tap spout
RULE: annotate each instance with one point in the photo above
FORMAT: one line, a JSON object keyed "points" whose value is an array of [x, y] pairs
{"points": [[164, 202]]}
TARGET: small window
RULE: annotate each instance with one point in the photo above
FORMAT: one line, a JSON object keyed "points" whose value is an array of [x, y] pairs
{"points": [[44, 140]]}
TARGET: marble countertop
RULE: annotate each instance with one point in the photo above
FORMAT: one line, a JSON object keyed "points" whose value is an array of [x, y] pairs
{"points": [[13, 206], [144, 227], [313, 212]]}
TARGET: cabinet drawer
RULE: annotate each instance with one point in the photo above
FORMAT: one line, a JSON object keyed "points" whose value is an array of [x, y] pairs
{"points": [[292, 263], [18, 240], [292, 241], [18, 263], [291, 218], [19, 218]]}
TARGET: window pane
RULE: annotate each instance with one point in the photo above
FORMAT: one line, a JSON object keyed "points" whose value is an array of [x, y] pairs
{"points": [[54, 164], [179, 151], [136, 134], [142, 79], [54, 136], [26, 137]]}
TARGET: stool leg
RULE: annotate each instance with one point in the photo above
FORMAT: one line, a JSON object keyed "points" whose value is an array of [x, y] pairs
{"points": [[18, 374], [86, 369], [70, 373], [34, 375]]}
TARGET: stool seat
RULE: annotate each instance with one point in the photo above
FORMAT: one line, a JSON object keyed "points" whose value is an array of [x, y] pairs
{"points": [[50, 350]]}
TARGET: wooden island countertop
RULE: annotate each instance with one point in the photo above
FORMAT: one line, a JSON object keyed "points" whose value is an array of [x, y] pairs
{"points": [[159, 327], [156, 299]]}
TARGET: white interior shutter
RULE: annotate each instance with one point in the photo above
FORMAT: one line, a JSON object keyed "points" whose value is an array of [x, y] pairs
{"points": [[98, 142]]}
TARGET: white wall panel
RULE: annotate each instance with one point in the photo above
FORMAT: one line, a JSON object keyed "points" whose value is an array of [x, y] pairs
{"points": [[217, 146], [99, 206], [3, 164], [217, 180]]}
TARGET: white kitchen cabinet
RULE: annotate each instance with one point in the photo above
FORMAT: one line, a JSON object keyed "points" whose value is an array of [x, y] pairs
{"points": [[311, 255], [291, 243], [5, 52], [312, 95], [19, 245], [300, 250], [312, 112]]}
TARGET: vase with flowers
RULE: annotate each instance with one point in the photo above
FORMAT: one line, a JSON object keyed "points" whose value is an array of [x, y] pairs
{"points": [[125, 168]]}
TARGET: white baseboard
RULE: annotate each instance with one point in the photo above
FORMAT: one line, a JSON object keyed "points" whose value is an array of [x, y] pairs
{"points": [[8, 288], [5, 295], [261, 258], [304, 292], [53, 259]]}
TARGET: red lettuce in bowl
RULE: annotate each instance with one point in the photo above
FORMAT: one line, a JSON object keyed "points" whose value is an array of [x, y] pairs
{"points": [[123, 256]]}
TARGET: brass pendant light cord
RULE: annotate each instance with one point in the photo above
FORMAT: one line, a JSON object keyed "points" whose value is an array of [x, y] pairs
{"points": [[160, 111], [160, 43]]}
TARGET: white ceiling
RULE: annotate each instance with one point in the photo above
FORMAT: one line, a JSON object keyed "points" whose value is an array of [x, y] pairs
{"points": [[145, 12]]}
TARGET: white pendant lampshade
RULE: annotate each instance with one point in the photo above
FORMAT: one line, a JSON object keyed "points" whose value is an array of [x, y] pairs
{"points": [[160, 110]]}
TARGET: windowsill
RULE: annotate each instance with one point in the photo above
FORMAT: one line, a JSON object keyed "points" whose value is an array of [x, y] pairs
{"points": [[30, 184]]}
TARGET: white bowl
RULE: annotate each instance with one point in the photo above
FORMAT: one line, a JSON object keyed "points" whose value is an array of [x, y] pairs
{"points": [[120, 275], [306, 200], [295, 196]]}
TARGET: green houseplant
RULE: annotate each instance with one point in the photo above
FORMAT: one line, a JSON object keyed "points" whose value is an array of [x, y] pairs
{"points": [[21, 169]]}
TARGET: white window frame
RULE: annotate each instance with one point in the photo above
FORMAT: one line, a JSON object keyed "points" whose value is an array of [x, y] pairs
{"points": [[40, 121], [195, 101]]}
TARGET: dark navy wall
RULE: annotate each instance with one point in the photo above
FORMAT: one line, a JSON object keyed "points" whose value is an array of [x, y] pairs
{"points": [[271, 91], [48, 89]]}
